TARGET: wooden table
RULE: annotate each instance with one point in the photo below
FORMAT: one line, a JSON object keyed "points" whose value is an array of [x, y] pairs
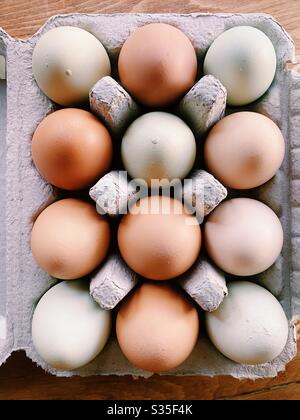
{"points": [[19, 378]]}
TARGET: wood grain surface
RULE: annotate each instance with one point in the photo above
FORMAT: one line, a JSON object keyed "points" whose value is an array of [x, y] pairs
{"points": [[19, 378], [22, 18]]}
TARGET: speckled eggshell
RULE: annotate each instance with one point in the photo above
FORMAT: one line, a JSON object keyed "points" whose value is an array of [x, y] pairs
{"points": [[157, 327], [244, 60], [243, 237], [67, 61], [69, 329], [250, 325]]}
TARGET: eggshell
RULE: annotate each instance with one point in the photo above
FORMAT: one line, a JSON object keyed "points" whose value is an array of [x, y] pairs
{"points": [[67, 62], [244, 60], [157, 327], [244, 150], [157, 64], [158, 146], [158, 239], [250, 326], [243, 236], [68, 328], [70, 239], [71, 149]]}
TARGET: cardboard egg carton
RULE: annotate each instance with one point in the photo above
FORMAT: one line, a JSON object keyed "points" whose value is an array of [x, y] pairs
{"points": [[202, 106], [24, 193]]}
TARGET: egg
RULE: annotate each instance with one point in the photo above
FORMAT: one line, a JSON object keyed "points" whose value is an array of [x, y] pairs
{"points": [[159, 146], [70, 239], [69, 329], [243, 236], [157, 327], [244, 60], [67, 62], [71, 149], [157, 64], [244, 150], [250, 326], [158, 238]]}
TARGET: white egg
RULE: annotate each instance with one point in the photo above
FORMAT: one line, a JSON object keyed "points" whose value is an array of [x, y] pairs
{"points": [[158, 145], [244, 60], [68, 328], [250, 326], [67, 62]]}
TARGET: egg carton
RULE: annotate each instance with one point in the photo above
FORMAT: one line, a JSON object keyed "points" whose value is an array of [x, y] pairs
{"points": [[24, 193], [202, 107]]}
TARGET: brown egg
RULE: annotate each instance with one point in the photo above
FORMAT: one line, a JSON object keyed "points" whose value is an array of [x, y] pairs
{"points": [[157, 64], [70, 239], [244, 150], [158, 239], [157, 327], [71, 149]]}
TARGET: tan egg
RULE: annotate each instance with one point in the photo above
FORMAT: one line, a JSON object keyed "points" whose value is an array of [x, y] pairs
{"points": [[244, 150], [243, 237], [157, 64], [158, 239], [157, 327], [70, 239], [71, 149]]}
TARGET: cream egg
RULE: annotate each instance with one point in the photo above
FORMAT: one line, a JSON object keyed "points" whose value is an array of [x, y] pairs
{"points": [[69, 329], [157, 327], [244, 150], [70, 239], [158, 145], [250, 326], [243, 237], [244, 60], [159, 239], [67, 62]]}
